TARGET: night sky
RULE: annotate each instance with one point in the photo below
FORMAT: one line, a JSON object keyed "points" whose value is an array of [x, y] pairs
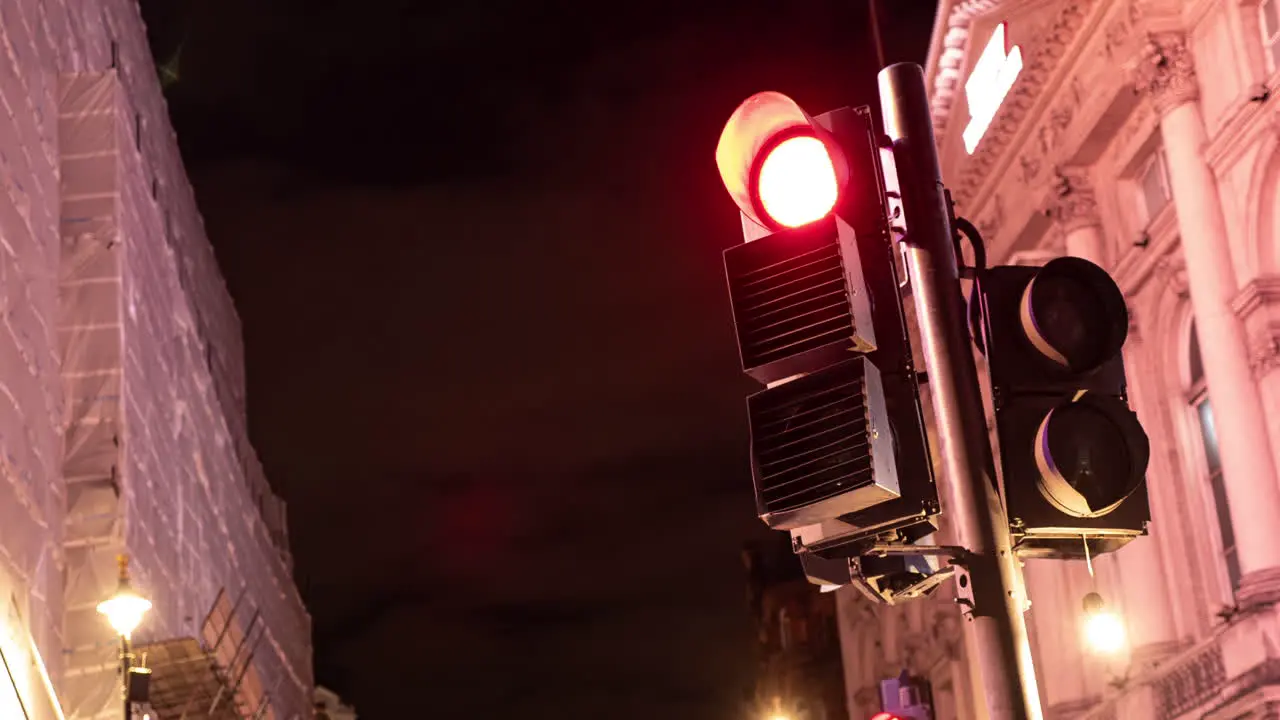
{"points": [[476, 252]]}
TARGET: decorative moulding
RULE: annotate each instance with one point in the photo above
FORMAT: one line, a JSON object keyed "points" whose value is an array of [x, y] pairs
{"points": [[1037, 72], [1165, 71], [1139, 264], [1088, 93], [1171, 270], [1072, 202], [1239, 131], [946, 81], [1258, 307], [1262, 292]]}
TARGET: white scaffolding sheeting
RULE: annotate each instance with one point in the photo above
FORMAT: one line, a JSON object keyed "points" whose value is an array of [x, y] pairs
{"points": [[90, 335]]}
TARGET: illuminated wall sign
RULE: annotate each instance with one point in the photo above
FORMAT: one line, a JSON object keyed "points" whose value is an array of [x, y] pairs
{"points": [[988, 84]]}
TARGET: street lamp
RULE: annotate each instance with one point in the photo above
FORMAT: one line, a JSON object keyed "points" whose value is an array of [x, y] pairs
{"points": [[124, 610], [1103, 629]]}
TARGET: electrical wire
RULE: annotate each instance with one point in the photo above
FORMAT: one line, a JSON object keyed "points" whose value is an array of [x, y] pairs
{"points": [[970, 233]]}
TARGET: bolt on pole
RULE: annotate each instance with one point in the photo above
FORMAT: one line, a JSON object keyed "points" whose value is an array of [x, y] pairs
{"points": [[997, 628]]}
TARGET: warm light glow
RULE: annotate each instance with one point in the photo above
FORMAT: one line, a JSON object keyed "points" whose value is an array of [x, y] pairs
{"points": [[1104, 632], [124, 611], [797, 182], [989, 82]]}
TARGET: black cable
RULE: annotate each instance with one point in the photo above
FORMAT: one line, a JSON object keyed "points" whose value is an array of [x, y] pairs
{"points": [[967, 229]]}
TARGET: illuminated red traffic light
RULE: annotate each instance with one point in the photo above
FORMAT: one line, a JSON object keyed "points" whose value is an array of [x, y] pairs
{"points": [[797, 182], [885, 716], [777, 164]]}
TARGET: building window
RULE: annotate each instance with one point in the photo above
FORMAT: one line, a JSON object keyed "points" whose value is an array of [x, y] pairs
{"points": [[1270, 10], [1203, 413], [1153, 183]]}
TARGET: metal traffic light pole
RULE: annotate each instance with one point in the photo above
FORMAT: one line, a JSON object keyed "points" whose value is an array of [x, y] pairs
{"points": [[998, 630]]}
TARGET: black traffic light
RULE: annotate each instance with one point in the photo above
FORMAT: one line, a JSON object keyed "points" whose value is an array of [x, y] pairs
{"points": [[1073, 454], [838, 445]]}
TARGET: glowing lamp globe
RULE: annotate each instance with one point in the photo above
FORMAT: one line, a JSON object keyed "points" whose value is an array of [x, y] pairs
{"points": [[124, 610], [1105, 633], [1103, 629]]}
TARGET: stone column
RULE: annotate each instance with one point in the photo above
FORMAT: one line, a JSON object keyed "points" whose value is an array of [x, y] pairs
{"points": [[1165, 73], [1138, 568]]}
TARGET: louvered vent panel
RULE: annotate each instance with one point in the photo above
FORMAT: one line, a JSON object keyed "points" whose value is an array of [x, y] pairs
{"points": [[810, 441], [791, 306]]}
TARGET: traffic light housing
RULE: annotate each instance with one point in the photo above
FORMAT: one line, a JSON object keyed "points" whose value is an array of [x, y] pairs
{"points": [[838, 445], [1073, 455]]}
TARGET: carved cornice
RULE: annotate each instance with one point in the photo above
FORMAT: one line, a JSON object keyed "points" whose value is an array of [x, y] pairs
{"points": [[1072, 203], [946, 81], [1165, 72], [1051, 45], [1258, 307], [1261, 292], [1172, 270], [991, 222]]}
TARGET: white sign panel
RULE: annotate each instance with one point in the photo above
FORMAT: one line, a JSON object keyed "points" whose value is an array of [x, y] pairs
{"points": [[988, 84]]}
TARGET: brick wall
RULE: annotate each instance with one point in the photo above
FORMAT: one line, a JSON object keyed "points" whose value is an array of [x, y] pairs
{"points": [[140, 442]]}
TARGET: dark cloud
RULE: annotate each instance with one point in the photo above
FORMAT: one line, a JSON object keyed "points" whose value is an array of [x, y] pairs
{"points": [[476, 250]]}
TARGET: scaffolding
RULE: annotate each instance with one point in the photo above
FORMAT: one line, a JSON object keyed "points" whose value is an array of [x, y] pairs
{"points": [[210, 677]]}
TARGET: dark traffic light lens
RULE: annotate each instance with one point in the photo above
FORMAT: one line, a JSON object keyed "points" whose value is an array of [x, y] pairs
{"points": [[1074, 315], [1092, 454]]}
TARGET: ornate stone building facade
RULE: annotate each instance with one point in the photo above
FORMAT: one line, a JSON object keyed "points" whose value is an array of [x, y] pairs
{"points": [[1143, 135], [798, 672]]}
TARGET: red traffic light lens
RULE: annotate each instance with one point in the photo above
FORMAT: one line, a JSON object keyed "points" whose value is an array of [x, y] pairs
{"points": [[797, 183], [885, 716]]}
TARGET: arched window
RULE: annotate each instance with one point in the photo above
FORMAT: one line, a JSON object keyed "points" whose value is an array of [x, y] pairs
{"points": [[1203, 412]]}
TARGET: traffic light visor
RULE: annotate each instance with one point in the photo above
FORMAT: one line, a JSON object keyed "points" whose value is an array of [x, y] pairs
{"points": [[1074, 315], [776, 165]]}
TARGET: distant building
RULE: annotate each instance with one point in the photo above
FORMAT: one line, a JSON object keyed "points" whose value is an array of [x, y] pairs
{"points": [[330, 707], [122, 401], [799, 675]]}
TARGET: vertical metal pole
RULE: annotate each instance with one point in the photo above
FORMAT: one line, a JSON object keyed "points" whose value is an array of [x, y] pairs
{"points": [[125, 664], [998, 630]]}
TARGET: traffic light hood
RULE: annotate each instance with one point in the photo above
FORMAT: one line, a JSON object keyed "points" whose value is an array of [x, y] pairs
{"points": [[780, 167]]}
